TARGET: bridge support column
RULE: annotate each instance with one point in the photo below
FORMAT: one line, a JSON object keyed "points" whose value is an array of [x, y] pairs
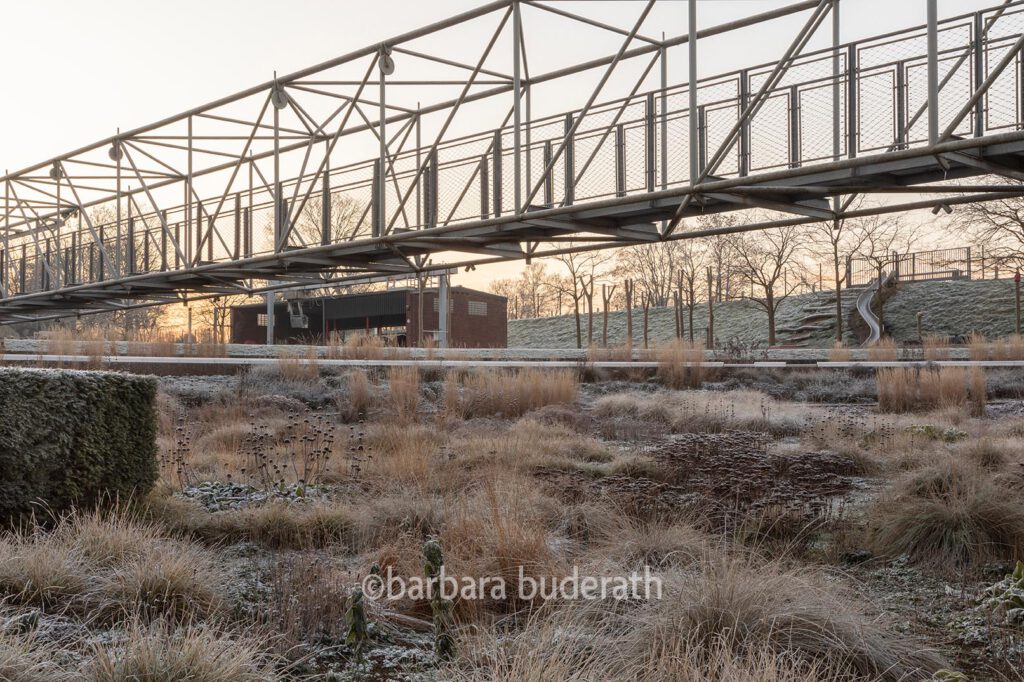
{"points": [[270, 317], [442, 310]]}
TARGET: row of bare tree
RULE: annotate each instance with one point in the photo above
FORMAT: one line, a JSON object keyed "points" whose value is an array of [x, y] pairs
{"points": [[763, 267]]}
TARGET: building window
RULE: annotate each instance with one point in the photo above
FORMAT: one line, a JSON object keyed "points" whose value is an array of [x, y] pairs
{"points": [[436, 305], [478, 308], [261, 319]]}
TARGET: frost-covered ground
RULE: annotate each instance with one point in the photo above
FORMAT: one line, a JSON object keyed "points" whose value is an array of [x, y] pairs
{"points": [[953, 308], [741, 322]]}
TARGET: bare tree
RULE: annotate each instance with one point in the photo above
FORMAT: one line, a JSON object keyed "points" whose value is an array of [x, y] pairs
{"points": [[764, 258], [836, 241], [345, 213], [691, 268], [997, 226], [581, 267], [652, 266]]}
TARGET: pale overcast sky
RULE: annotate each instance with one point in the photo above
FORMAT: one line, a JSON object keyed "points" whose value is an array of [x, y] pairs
{"points": [[75, 71]]}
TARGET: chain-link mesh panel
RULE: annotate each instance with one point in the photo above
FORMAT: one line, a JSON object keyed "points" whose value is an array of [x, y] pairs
{"points": [[1003, 99], [769, 134], [817, 108], [719, 120], [876, 108], [598, 178], [635, 158]]}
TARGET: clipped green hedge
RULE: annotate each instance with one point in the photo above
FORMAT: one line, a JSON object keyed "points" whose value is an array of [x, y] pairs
{"points": [[71, 438]]}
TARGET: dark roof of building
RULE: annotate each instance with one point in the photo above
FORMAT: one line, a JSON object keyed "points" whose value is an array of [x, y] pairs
{"points": [[357, 298]]}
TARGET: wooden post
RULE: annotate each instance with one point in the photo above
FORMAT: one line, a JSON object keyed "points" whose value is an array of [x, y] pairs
{"points": [[606, 298], [628, 286], [1016, 285], [711, 311], [647, 308], [588, 295]]}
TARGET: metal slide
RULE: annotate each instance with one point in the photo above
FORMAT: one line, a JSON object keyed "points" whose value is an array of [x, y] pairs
{"points": [[864, 307]]}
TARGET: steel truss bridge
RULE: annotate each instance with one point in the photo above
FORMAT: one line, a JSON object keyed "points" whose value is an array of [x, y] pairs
{"points": [[358, 167]]}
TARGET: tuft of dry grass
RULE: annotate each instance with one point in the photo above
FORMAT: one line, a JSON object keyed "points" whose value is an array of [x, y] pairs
{"points": [[194, 652], [839, 352], [730, 620], [404, 392], [743, 605], [24, 659], [949, 514], [913, 389], [935, 347], [884, 350], [680, 365], [301, 368], [359, 394], [111, 567], [512, 394], [704, 411], [978, 347]]}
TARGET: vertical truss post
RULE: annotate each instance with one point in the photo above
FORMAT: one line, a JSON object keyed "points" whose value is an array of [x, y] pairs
{"points": [[837, 121], [248, 211], [549, 198], [430, 190], [188, 197], [837, 72], [978, 53], [381, 194], [620, 161], [22, 283], [852, 116], [517, 93], [485, 201], [933, 72], [376, 214], [3, 273], [198, 255], [177, 238], [649, 143], [103, 250], [702, 139], [163, 241], [664, 115], [743, 153], [7, 233], [145, 248], [118, 255], [325, 208], [794, 127], [130, 243], [279, 219], [570, 162], [692, 109], [902, 134], [238, 227], [497, 173], [419, 162], [247, 231]]}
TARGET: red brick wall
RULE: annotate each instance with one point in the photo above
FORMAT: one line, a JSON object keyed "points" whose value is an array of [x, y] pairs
{"points": [[465, 330]]}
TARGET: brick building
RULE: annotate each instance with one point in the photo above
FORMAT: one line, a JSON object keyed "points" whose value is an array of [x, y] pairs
{"points": [[476, 319]]}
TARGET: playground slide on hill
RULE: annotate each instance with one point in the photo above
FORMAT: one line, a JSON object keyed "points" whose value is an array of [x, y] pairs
{"points": [[864, 302]]}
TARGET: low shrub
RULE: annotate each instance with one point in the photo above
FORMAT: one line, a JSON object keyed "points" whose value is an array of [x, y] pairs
{"points": [[74, 439]]}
